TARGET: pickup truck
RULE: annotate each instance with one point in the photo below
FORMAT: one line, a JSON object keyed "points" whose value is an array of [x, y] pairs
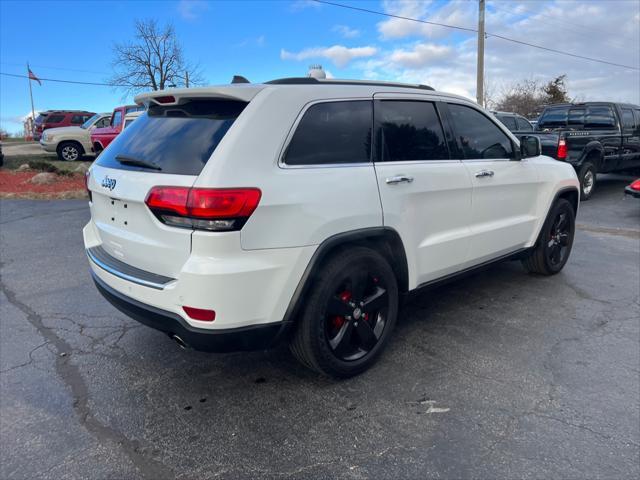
{"points": [[102, 137], [594, 137]]}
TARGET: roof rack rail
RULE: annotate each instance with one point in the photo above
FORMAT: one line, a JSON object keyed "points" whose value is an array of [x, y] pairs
{"points": [[315, 81]]}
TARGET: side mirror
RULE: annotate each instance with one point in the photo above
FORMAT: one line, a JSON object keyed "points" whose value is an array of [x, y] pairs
{"points": [[530, 146]]}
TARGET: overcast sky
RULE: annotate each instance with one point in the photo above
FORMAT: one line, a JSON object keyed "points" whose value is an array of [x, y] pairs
{"points": [[264, 40]]}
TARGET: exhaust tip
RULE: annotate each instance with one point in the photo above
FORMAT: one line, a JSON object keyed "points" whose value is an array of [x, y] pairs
{"points": [[181, 343]]}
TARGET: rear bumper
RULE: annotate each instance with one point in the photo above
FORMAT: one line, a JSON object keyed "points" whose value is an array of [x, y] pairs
{"points": [[630, 191], [255, 337]]}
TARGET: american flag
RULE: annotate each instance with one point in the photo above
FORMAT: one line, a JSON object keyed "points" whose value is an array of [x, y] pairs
{"points": [[32, 76]]}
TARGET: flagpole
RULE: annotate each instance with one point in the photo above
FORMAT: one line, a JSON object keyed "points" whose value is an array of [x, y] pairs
{"points": [[33, 112]]}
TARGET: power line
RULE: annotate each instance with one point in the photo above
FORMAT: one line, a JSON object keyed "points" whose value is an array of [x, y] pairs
{"points": [[66, 81], [474, 30]]}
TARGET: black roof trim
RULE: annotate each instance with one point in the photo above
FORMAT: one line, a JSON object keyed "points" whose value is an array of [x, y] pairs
{"points": [[315, 81]]}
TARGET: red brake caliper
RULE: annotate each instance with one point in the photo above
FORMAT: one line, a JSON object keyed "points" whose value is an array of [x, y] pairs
{"points": [[339, 320]]}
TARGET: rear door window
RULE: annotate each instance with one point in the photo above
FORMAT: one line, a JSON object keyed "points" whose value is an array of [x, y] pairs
{"points": [[54, 119], [524, 125], [627, 119], [78, 119], [409, 130], [176, 139], [509, 122], [332, 133], [599, 117], [478, 136]]}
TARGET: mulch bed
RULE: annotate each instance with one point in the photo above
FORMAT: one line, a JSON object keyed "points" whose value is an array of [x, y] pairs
{"points": [[17, 185]]}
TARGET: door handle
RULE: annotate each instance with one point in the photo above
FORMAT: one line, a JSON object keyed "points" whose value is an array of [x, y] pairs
{"points": [[398, 179], [484, 173]]}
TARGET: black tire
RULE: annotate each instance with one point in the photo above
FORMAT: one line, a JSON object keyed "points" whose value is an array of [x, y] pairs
{"points": [[70, 151], [587, 177], [345, 345], [554, 244]]}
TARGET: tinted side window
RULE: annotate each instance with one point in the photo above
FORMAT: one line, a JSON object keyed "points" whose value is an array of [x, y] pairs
{"points": [[54, 119], [523, 124], [478, 136], [332, 132], [410, 130], [554, 117], [78, 119], [627, 118], [599, 116], [116, 119], [509, 121]]}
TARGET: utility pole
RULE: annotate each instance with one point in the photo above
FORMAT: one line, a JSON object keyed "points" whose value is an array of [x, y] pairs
{"points": [[33, 112], [480, 70], [186, 78]]}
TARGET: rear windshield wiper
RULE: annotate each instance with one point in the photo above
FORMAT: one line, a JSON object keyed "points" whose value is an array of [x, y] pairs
{"points": [[134, 162]]}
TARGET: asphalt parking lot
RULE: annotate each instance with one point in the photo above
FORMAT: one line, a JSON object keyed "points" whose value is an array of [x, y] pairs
{"points": [[500, 375]]}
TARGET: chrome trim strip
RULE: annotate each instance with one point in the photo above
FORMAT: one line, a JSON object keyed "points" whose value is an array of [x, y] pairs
{"points": [[124, 276]]}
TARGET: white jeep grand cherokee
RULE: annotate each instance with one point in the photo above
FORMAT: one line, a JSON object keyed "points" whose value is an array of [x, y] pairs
{"points": [[233, 217]]}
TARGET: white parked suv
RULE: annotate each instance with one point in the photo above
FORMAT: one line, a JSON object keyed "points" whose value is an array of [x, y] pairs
{"points": [[304, 210], [71, 143]]}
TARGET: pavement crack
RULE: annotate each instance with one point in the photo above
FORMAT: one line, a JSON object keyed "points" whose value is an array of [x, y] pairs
{"points": [[70, 374], [31, 359]]}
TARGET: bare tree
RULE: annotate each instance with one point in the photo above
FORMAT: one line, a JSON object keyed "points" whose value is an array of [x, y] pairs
{"points": [[528, 97], [154, 60]]}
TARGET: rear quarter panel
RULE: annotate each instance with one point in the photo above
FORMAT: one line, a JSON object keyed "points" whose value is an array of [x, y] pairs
{"points": [[299, 206]]}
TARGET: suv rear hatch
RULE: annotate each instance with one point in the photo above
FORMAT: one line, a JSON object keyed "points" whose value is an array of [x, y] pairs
{"points": [[167, 146]]}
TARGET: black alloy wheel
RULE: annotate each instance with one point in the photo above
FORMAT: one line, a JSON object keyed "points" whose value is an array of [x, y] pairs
{"points": [[356, 314], [348, 313], [553, 247], [558, 241]]}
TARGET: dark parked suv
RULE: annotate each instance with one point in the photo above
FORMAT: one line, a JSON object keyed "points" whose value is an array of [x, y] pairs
{"points": [[594, 137], [60, 118], [514, 122]]}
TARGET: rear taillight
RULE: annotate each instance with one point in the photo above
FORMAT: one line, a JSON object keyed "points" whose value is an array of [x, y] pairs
{"points": [[635, 185], [213, 209], [87, 176], [562, 149]]}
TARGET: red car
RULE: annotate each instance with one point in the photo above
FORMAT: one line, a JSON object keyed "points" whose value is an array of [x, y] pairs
{"points": [[102, 137], [60, 118]]}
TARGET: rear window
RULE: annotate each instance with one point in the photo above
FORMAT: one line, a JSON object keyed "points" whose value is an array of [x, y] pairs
{"points": [[591, 117], [178, 139]]}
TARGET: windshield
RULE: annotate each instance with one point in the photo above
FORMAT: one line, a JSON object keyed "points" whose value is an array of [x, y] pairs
{"points": [[178, 138], [89, 122]]}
